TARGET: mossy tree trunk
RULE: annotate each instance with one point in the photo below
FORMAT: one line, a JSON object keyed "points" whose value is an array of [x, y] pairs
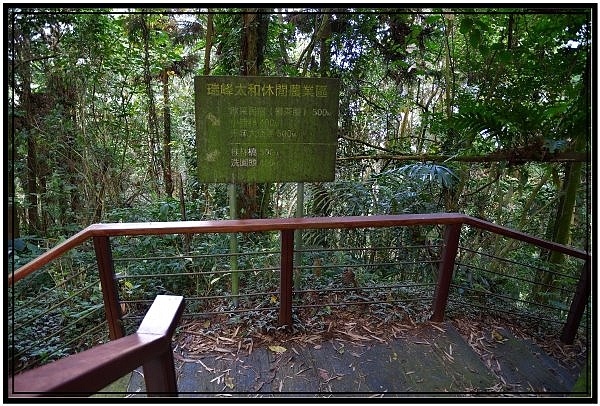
{"points": [[562, 222]]}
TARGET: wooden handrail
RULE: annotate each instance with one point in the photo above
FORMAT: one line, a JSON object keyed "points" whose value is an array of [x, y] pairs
{"points": [[521, 236], [88, 372], [279, 224], [101, 233]]}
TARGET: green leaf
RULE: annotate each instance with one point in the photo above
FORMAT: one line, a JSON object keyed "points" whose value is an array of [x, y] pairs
{"points": [[432, 19], [475, 38], [465, 26], [505, 56]]}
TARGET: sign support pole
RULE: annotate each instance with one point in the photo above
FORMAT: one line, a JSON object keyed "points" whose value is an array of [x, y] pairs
{"points": [[298, 236], [233, 246]]}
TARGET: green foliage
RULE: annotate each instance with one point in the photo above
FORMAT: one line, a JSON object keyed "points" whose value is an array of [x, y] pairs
{"points": [[418, 83], [441, 175]]}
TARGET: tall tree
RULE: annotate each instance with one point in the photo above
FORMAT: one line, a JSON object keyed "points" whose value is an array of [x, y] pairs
{"points": [[23, 27], [153, 143], [255, 24], [562, 222]]}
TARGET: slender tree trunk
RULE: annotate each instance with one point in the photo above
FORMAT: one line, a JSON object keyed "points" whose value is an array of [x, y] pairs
{"points": [[324, 36], [12, 226], [202, 188], [33, 220], [31, 189], [573, 172], [154, 167], [65, 96], [209, 42], [449, 66], [167, 172], [563, 220]]}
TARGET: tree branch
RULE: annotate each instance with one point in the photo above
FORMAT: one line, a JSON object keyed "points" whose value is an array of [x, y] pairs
{"points": [[367, 144], [500, 156]]}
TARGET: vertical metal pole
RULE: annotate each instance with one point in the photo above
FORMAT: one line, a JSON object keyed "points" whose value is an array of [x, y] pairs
{"points": [[286, 278], [582, 293], [109, 288], [298, 236], [233, 247], [440, 299]]}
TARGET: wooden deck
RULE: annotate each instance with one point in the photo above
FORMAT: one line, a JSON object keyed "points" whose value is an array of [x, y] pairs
{"points": [[432, 360]]}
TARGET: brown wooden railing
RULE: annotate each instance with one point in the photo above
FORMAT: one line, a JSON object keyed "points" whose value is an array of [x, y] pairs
{"points": [[88, 372], [453, 222]]}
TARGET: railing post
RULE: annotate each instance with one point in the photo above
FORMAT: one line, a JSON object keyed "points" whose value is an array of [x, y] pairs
{"points": [[109, 288], [446, 269], [159, 375], [159, 372], [286, 278], [582, 293]]}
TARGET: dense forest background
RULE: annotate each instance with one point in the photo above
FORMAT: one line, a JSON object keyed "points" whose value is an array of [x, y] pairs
{"points": [[480, 111]]}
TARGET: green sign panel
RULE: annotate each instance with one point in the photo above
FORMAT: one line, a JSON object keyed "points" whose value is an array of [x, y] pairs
{"points": [[266, 129]]}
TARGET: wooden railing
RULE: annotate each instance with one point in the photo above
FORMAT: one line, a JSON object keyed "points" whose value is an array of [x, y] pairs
{"points": [[453, 222], [86, 373]]}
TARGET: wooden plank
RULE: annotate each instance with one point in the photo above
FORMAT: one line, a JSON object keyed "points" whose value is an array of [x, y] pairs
{"points": [[446, 270], [89, 371], [49, 256], [286, 278], [252, 225], [109, 287], [422, 362], [527, 368], [278, 224], [521, 236], [163, 316]]}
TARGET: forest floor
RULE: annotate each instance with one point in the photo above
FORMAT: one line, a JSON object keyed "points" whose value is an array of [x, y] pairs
{"points": [[356, 355]]}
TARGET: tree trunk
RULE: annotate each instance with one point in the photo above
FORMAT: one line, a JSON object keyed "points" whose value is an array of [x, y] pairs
{"points": [[563, 221], [324, 35], [568, 195], [209, 42], [154, 167], [167, 173], [198, 188], [31, 189], [254, 37], [12, 226]]}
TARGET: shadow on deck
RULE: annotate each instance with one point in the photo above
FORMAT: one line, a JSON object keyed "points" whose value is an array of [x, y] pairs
{"points": [[431, 360]]}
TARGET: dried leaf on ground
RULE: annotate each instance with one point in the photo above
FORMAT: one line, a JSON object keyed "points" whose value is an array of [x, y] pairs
{"points": [[277, 349]]}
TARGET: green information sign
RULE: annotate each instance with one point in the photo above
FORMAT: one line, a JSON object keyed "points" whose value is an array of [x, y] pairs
{"points": [[266, 129]]}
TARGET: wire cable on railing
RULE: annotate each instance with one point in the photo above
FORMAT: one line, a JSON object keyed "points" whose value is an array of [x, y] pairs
{"points": [[389, 248], [26, 321], [520, 263], [489, 309], [64, 344], [512, 299], [43, 295], [185, 257], [512, 276], [368, 265], [204, 273]]}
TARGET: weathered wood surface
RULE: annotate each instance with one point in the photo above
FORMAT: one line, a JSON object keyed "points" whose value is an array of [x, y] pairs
{"points": [[426, 363]]}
